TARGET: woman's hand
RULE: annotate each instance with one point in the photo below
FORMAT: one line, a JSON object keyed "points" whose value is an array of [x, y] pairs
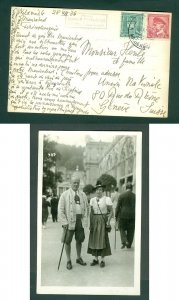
{"points": [[65, 226]]}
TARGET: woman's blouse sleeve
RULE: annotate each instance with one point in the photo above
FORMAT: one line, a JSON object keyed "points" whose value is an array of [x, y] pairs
{"points": [[109, 201], [91, 201]]}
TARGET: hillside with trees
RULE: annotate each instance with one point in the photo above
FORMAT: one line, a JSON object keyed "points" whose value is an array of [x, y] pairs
{"points": [[67, 156]]}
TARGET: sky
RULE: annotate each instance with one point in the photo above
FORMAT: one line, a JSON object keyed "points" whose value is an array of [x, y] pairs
{"points": [[79, 137]]}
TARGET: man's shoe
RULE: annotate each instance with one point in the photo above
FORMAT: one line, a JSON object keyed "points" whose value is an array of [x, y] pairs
{"points": [[94, 262], [128, 245], [69, 265], [102, 264], [123, 246], [80, 261]]}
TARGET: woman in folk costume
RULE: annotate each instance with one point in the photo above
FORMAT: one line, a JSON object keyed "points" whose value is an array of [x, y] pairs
{"points": [[101, 213]]}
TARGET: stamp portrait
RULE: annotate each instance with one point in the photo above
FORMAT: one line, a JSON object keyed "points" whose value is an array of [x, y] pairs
{"points": [[158, 26]]}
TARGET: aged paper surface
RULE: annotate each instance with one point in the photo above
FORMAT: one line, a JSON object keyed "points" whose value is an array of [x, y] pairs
{"points": [[89, 62], [121, 276]]}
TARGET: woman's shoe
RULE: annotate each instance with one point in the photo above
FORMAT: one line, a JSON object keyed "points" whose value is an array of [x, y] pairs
{"points": [[94, 262], [102, 264]]}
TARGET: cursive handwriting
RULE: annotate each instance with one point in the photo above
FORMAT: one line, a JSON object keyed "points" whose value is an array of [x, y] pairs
{"points": [[87, 49], [57, 68]]}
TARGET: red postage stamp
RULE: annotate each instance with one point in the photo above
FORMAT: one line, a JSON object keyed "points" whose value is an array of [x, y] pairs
{"points": [[158, 26]]}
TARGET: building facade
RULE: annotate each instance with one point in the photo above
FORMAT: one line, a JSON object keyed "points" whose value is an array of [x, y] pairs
{"points": [[92, 155], [117, 159]]}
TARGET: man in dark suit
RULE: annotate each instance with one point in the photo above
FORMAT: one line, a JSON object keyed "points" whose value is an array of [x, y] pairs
{"points": [[54, 207], [125, 215]]}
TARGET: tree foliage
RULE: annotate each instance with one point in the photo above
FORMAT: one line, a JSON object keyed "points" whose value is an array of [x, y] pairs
{"points": [[108, 181], [71, 156], [50, 156], [65, 155]]}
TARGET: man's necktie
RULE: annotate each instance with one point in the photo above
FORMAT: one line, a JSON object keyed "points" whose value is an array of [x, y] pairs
{"points": [[77, 199]]}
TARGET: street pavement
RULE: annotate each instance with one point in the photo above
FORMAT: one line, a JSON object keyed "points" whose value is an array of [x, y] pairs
{"points": [[118, 272]]}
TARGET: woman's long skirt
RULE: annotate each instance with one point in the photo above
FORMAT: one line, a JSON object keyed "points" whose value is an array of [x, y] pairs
{"points": [[98, 244]]}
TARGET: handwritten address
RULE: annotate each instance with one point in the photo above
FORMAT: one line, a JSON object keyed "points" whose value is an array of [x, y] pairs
{"points": [[62, 70]]}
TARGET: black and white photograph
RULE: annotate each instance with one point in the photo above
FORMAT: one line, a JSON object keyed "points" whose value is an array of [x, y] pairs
{"points": [[89, 212]]}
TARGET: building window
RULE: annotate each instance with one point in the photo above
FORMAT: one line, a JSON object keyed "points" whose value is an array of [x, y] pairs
{"points": [[121, 185], [122, 162], [130, 165], [129, 147]]}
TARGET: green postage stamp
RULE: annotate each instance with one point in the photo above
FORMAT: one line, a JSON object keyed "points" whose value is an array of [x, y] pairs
{"points": [[131, 25]]}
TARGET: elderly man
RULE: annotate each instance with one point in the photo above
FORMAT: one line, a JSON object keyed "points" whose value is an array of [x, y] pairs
{"points": [[73, 216], [125, 213]]}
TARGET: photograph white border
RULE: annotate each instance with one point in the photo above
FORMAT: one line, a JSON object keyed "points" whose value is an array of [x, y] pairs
{"points": [[137, 257]]}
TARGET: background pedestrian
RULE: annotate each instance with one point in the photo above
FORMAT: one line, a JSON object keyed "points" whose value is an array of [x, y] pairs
{"points": [[125, 215], [54, 207], [45, 205]]}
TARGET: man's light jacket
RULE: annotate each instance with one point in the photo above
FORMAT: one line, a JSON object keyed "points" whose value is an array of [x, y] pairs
{"points": [[67, 208]]}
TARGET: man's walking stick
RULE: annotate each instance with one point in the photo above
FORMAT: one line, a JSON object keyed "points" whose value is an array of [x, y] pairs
{"points": [[62, 248]]}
